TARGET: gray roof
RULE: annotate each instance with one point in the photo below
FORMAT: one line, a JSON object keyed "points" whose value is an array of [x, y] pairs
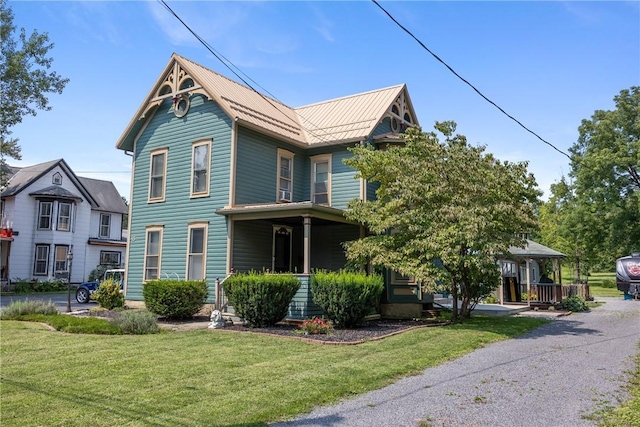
{"points": [[101, 195], [105, 193], [535, 250]]}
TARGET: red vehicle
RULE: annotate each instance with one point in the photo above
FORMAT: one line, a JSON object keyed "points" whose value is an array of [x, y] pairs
{"points": [[628, 274]]}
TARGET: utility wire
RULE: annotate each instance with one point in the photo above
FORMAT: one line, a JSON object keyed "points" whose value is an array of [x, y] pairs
{"points": [[465, 81], [233, 69]]}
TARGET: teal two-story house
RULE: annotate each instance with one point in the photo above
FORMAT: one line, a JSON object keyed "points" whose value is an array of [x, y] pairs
{"points": [[227, 179]]}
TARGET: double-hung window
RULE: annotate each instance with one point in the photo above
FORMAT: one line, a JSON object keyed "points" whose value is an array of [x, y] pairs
{"points": [[64, 216], [157, 175], [61, 258], [321, 179], [200, 168], [285, 176], [44, 215], [197, 253], [105, 226], [153, 253], [41, 263]]}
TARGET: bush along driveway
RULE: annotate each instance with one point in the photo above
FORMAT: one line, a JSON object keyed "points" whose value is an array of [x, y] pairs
{"points": [[561, 374]]}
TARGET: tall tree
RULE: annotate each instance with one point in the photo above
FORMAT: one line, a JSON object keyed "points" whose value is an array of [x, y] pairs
{"points": [[605, 165], [24, 81], [444, 211]]}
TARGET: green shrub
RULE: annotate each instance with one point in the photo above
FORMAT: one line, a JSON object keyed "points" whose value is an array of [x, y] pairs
{"points": [[19, 308], [72, 324], [175, 299], [24, 286], [261, 299], [108, 294], [608, 283], [136, 322], [347, 298], [574, 303]]}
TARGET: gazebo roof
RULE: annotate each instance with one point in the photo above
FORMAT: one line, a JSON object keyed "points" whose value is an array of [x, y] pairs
{"points": [[535, 250]]}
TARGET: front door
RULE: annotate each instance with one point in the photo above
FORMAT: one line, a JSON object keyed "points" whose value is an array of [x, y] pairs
{"points": [[281, 249]]}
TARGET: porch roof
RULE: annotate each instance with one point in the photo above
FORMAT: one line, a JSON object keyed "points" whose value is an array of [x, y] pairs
{"points": [[535, 250], [284, 210]]}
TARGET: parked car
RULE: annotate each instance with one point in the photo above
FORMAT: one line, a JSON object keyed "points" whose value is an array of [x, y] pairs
{"points": [[83, 294]]}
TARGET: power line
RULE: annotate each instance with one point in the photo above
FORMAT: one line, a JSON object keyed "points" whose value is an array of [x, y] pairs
{"points": [[227, 63], [465, 81]]}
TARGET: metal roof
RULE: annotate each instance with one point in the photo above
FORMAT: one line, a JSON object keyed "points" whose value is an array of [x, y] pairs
{"points": [[535, 250], [346, 119]]}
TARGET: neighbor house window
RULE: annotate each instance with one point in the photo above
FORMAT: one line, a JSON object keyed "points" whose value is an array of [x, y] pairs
{"points": [[285, 175], [61, 258], [200, 168], [321, 180], [44, 215], [64, 216], [157, 175], [105, 225], [196, 255], [109, 258], [153, 251], [41, 264], [397, 278]]}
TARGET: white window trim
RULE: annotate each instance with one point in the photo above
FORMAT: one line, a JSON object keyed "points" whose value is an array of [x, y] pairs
{"points": [[40, 204], [35, 260], [195, 145], [151, 229], [158, 152], [119, 254], [320, 159], [60, 204], [108, 235], [205, 226], [289, 155]]}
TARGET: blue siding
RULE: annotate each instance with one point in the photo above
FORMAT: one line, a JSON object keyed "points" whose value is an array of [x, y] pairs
{"points": [[344, 185], [257, 168], [204, 120], [383, 127], [302, 305], [252, 245]]}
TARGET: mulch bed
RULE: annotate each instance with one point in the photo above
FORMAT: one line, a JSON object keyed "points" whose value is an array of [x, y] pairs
{"points": [[369, 331]]}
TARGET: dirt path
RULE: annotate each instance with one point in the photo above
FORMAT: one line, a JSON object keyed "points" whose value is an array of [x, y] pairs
{"points": [[556, 375]]}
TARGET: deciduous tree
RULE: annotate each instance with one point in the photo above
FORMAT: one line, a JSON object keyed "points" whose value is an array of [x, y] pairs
{"points": [[25, 81], [444, 211]]}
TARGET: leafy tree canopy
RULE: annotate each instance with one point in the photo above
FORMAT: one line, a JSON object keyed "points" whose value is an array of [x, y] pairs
{"points": [[24, 80], [444, 210]]}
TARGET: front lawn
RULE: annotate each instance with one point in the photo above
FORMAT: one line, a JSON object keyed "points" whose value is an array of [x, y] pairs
{"points": [[208, 377]]}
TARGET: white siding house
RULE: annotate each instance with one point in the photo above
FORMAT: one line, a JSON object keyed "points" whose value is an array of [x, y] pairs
{"points": [[48, 212]]}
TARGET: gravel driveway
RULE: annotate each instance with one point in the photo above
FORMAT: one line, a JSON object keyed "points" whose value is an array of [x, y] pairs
{"points": [[552, 376]]}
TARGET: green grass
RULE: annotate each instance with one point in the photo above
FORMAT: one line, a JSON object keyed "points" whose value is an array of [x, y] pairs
{"points": [[595, 281], [207, 377]]}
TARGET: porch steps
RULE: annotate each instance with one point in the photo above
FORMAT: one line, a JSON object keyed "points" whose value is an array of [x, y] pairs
{"points": [[229, 315]]}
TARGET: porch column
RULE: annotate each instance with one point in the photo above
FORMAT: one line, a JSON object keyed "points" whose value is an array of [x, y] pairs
{"points": [[306, 221], [528, 283]]}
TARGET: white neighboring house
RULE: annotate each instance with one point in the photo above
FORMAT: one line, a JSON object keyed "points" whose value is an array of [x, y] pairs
{"points": [[48, 212]]}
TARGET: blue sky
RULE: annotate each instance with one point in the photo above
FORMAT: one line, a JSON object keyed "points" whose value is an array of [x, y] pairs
{"points": [[549, 64]]}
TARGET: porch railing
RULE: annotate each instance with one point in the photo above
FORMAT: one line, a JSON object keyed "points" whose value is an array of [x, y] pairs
{"points": [[222, 302]]}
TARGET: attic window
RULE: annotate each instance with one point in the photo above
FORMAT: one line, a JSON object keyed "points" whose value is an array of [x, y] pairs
{"points": [[407, 118], [57, 178], [164, 90], [181, 105], [395, 109]]}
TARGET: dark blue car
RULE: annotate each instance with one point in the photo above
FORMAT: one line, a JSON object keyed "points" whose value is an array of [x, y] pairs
{"points": [[83, 294]]}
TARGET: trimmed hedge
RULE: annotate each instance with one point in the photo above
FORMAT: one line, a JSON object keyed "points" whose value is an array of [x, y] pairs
{"points": [[175, 299], [347, 298], [261, 299], [108, 294]]}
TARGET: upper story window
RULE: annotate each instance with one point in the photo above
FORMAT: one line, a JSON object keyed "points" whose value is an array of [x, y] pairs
{"points": [[64, 216], [200, 168], [285, 176], [153, 253], [57, 178], [157, 175], [41, 261], [321, 179], [105, 226], [44, 215], [196, 256]]}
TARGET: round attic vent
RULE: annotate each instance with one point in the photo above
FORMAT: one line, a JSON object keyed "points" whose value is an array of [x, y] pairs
{"points": [[181, 105]]}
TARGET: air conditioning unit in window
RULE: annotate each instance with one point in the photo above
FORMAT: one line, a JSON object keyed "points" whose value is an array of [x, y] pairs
{"points": [[285, 196]]}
